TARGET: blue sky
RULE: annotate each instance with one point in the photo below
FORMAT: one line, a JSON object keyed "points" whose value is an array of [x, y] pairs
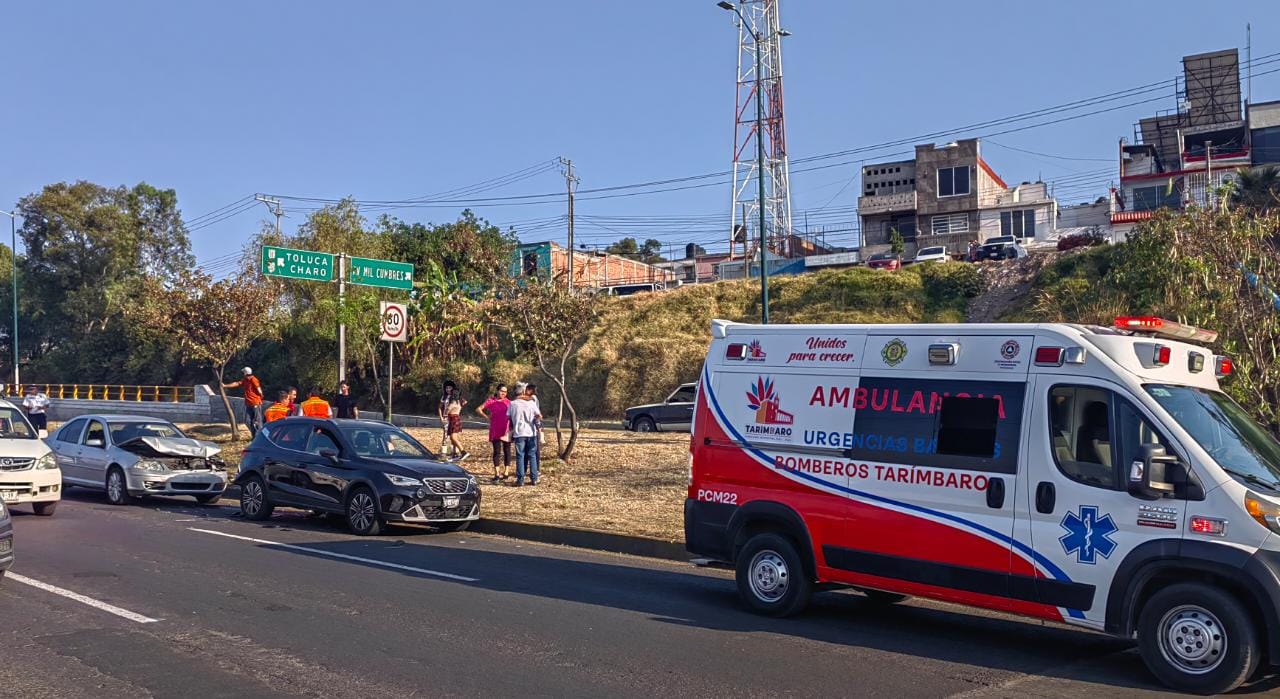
{"points": [[391, 100]]}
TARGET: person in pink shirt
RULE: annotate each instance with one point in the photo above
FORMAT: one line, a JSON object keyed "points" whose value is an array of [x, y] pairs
{"points": [[495, 411]]}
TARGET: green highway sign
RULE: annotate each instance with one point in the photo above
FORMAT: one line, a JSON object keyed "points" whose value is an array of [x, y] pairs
{"points": [[298, 264], [384, 273]]}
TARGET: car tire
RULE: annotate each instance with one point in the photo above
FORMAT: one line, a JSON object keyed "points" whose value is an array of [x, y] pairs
{"points": [[44, 509], [645, 424], [882, 598], [208, 499], [363, 517], [118, 487], [1198, 638], [447, 527], [771, 576], [255, 505]]}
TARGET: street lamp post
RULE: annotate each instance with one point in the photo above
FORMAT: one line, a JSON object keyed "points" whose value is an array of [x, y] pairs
{"points": [[764, 241], [13, 233]]}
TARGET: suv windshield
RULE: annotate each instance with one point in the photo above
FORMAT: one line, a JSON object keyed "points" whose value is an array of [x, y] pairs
{"points": [[1225, 430], [14, 426], [374, 440]]}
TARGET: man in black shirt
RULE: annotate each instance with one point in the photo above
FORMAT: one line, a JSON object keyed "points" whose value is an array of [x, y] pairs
{"points": [[344, 406]]}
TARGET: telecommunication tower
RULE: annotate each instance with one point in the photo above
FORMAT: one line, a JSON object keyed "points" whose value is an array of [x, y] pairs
{"points": [[760, 44]]}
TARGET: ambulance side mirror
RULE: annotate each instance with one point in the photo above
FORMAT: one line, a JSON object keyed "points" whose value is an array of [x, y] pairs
{"points": [[1154, 474]]}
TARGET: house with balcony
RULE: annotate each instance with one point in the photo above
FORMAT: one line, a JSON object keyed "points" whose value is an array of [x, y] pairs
{"points": [[947, 195], [1184, 157]]}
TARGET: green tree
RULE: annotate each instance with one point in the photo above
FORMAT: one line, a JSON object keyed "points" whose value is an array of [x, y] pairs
{"points": [[1257, 190], [471, 249], [896, 244], [89, 249], [649, 252]]}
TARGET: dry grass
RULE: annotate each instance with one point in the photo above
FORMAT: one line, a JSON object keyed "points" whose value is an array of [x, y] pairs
{"points": [[618, 481]]}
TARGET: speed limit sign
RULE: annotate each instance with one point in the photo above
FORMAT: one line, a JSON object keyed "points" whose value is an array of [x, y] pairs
{"points": [[395, 322]]}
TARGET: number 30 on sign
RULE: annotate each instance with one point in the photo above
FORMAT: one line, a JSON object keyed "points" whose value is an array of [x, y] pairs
{"points": [[395, 322]]}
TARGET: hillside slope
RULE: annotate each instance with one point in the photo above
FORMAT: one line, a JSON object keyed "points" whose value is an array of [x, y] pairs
{"points": [[646, 345]]}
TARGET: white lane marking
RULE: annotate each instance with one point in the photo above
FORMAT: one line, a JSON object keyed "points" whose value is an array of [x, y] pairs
{"points": [[341, 556], [96, 604]]}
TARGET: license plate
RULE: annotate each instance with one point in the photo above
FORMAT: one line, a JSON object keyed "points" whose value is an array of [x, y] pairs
{"points": [[452, 501], [9, 495]]}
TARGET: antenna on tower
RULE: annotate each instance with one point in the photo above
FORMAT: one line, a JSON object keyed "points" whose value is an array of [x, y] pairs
{"points": [[760, 44]]}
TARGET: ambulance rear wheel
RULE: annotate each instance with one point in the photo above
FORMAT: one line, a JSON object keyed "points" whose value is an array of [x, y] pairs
{"points": [[1197, 638], [771, 577]]}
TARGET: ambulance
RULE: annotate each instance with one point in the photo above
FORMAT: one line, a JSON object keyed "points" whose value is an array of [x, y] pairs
{"points": [[1094, 476]]}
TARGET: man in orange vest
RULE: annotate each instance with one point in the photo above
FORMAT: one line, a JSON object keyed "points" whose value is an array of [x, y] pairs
{"points": [[280, 409], [316, 406]]}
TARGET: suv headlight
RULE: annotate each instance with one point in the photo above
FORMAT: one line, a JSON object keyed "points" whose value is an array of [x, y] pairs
{"points": [[471, 482], [150, 467], [403, 481], [46, 462]]}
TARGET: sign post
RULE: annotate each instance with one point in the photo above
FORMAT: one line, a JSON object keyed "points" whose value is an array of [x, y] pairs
{"points": [[395, 328], [306, 265]]}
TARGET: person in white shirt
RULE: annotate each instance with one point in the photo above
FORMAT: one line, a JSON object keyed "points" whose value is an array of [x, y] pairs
{"points": [[36, 404], [524, 416]]}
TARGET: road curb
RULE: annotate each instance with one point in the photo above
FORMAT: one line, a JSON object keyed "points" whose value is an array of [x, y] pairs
{"points": [[583, 538], [592, 539]]}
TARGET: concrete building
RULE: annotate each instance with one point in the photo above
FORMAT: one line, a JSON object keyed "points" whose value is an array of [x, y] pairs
{"points": [[1181, 158], [550, 260], [949, 195]]}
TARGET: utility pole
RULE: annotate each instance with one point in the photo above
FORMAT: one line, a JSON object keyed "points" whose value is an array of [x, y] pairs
{"points": [[273, 205], [570, 181], [13, 232], [342, 326]]}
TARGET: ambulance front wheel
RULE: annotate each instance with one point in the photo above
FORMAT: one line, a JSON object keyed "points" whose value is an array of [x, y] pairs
{"points": [[771, 576], [1198, 638]]}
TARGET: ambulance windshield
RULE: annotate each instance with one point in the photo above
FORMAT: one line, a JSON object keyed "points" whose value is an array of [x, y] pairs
{"points": [[1225, 430]]}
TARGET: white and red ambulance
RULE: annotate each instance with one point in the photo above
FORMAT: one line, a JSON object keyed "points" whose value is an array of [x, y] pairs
{"points": [[1094, 476]]}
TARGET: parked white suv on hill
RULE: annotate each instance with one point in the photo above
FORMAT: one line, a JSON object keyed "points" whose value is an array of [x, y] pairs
{"points": [[28, 471]]}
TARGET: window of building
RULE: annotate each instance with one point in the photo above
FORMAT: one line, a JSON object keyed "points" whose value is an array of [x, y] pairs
{"points": [[945, 224], [1020, 224], [1151, 198], [953, 181]]}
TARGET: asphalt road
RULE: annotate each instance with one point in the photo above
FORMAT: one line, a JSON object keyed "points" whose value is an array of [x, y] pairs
{"points": [[202, 604]]}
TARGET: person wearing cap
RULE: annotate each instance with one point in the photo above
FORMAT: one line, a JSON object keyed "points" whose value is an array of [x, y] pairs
{"points": [[252, 400], [315, 405]]}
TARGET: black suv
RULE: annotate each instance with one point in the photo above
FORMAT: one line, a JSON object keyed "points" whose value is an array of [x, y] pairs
{"points": [[369, 472], [674, 414]]}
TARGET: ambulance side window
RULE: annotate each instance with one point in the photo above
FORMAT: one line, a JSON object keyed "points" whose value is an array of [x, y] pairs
{"points": [[967, 426], [1133, 431], [1081, 435]]}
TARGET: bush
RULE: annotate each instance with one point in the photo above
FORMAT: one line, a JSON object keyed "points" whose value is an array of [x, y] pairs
{"points": [[1081, 240]]}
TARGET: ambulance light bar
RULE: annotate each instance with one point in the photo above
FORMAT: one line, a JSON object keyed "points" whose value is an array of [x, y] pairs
{"points": [[1150, 325]]}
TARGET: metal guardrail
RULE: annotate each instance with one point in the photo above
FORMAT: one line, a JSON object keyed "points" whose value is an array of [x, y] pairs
{"points": [[136, 394]]}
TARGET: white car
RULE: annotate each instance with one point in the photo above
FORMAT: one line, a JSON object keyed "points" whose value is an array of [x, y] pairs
{"points": [[932, 254], [28, 470]]}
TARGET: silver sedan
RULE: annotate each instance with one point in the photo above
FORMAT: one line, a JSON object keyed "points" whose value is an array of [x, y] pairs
{"points": [[131, 457]]}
